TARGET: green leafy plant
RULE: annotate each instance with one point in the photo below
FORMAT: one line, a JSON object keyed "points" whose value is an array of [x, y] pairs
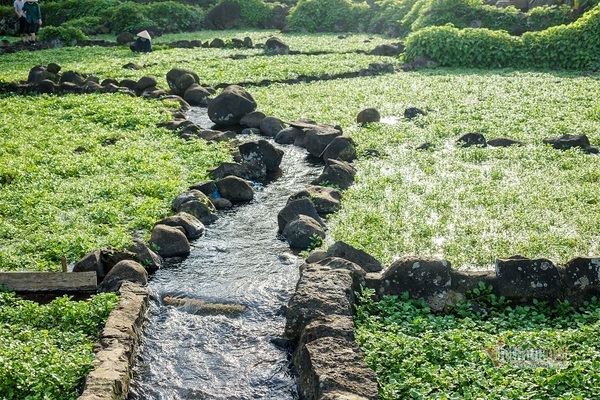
{"points": [[510, 350], [46, 350], [66, 34], [573, 46], [254, 13], [328, 15]]}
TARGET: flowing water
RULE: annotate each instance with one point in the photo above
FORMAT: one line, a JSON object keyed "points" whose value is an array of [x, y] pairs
{"points": [[241, 261]]}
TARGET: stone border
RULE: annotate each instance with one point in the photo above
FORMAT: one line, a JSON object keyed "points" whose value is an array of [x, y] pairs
{"points": [[320, 327], [116, 348], [327, 360]]}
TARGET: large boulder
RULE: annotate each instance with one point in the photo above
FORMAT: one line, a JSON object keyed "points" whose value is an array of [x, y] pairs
{"points": [[388, 49], [125, 38], [323, 290], [39, 73], [274, 45], [262, 151], [413, 112], [224, 15], [523, 278], [336, 173], [317, 138], [233, 103], [325, 199], [146, 256], [249, 170], [368, 115], [179, 79], [270, 126], [423, 278], [303, 232], [359, 257], [73, 77], [472, 139], [127, 270], [235, 189], [253, 119], [582, 276], [340, 148], [196, 203], [102, 261], [295, 208], [192, 225], [196, 95], [566, 142], [335, 370], [145, 82], [288, 135], [170, 241]]}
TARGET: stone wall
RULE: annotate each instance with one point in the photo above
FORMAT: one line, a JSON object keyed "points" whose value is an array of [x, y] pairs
{"points": [[116, 348]]}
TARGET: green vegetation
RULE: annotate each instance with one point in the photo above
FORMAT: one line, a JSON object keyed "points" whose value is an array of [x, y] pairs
{"points": [[573, 46], [327, 15], [46, 350], [501, 351], [81, 172], [214, 66], [471, 205]]}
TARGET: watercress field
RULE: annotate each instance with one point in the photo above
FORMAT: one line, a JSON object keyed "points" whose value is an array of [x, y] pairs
{"points": [[80, 172]]}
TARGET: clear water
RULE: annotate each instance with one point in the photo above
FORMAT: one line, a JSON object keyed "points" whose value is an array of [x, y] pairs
{"points": [[241, 261]]}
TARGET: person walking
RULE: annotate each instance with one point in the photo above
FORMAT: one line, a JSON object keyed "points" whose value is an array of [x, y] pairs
{"points": [[18, 5], [33, 17]]}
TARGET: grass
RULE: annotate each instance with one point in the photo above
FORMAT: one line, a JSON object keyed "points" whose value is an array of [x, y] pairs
{"points": [[214, 66], [469, 206], [507, 352], [82, 172]]}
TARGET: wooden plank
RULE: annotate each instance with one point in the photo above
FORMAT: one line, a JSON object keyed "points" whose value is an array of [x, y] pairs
{"points": [[44, 282]]}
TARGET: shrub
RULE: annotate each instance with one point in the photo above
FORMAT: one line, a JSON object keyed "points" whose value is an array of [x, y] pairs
{"points": [[328, 15], [167, 16], [87, 25], [127, 17], [66, 34], [254, 13], [466, 14], [388, 14], [170, 16], [58, 12], [540, 18], [450, 46], [574, 46]]}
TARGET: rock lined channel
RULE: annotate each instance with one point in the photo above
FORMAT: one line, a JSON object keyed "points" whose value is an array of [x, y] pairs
{"points": [[188, 352]]}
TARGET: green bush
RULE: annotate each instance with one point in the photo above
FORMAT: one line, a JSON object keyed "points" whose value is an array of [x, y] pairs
{"points": [[170, 16], [465, 14], [87, 25], [450, 46], [254, 13], [388, 14], [167, 16], [58, 12], [574, 46], [328, 16], [66, 34], [540, 18]]}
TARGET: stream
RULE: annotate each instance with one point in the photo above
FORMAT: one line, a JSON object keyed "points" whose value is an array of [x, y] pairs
{"points": [[241, 261]]}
